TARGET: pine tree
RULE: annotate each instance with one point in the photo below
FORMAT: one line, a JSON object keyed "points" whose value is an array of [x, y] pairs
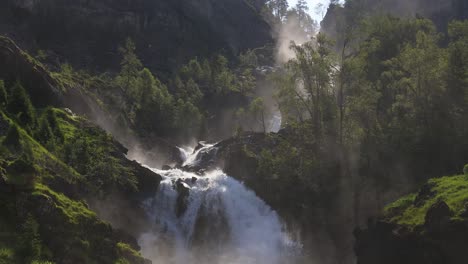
{"points": [[19, 104]]}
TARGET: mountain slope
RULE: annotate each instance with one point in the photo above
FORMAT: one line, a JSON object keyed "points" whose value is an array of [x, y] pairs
{"points": [[54, 163], [167, 32]]}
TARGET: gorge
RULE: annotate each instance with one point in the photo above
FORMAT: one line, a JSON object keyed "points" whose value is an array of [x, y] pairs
{"points": [[233, 131]]}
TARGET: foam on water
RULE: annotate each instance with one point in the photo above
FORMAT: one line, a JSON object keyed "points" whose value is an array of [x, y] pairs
{"points": [[253, 230]]}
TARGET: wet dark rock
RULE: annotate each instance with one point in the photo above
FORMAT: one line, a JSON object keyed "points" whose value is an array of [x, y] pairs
{"points": [[206, 159], [166, 167], [148, 181], [438, 217], [158, 152], [199, 146], [183, 193]]}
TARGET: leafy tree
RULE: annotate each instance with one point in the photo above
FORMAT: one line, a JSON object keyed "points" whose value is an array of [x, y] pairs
{"points": [[187, 117], [155, 109], [457, 77], [278, 8], [130, 67], [257, 109], [299, 15], [311, 71]]}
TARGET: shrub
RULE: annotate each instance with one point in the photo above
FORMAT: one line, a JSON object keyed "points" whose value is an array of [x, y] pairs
{"points": [[30, 244], [44, 133], [19, 104], [21, 172], [465, 169], [12, 139]]}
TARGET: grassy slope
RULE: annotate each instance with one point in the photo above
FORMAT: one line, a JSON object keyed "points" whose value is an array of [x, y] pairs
{"points": [[453, 190], [68, 223]]}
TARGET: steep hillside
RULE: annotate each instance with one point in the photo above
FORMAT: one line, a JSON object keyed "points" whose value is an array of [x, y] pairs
{"points": [[167, 32], [55, 168]]}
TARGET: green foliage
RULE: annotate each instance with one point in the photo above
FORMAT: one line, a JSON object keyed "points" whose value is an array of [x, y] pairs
{"points": [[154, 112], [452, 190], [44, 133], [21, 172], [3, 95], [127, 250], [310, 89], [465, 169], [130, 67], [29, 242], [12, 139], [257, 110], [187, 117], [6, 255], [19, 105]]}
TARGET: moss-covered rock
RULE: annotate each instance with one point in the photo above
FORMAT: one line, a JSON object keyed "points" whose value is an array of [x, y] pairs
{"points": [[427, 227], [67, 231]]}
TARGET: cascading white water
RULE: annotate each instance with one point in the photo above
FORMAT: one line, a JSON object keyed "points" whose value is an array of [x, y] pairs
{"points": [[274, 125], [223, 222]]}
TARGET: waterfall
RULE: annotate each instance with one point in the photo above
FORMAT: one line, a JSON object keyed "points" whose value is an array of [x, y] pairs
{"points": [[212, 218]]}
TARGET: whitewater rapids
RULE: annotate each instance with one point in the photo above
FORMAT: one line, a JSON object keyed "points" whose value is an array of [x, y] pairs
{"points": [[223, 221]]}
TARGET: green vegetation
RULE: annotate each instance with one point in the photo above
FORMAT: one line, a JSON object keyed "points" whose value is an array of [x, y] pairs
{"points": [[42, 153], [452, 190], [380, 105], [137, 100]]}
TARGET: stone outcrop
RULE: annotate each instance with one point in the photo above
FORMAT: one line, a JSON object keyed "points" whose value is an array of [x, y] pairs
{"points": [[440, 239], [167, 32]]}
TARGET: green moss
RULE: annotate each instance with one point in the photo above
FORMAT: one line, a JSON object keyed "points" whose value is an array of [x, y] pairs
{"points": [[44, 160], [75, 211], [127, 249], [122, 261], [6, 255], [452, 190]]}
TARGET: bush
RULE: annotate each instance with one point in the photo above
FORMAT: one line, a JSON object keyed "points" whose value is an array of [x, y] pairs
{"points": [[465, 170], [30, 244], [12, 139], [19, 104], [21, 172]]}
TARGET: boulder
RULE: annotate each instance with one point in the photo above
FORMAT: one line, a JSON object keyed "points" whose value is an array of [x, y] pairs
{"points": [[438, 217], [183, 192]]}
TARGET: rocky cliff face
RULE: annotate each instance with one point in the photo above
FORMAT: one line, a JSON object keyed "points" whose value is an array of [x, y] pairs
{"points": [[88, 33]]}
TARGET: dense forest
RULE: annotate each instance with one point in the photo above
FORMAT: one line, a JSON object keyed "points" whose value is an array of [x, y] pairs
{"points": [[345, 141]]}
